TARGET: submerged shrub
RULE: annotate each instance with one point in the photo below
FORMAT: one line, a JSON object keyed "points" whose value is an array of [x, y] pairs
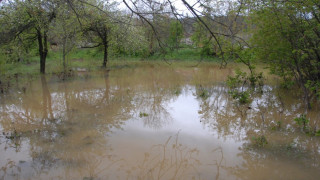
{"points": [[277, 126], [242, 85], [302, 121], [243, 97], [142, 114], [260, 141], [202, 92]]}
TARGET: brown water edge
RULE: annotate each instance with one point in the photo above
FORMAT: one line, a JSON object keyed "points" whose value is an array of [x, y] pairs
{"points": [[150, 123]]}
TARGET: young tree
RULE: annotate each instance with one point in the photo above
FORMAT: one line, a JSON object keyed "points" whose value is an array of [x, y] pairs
{"points": [[176, 34], [42, 14], [98, 18], [65, 30], [101, 28]]}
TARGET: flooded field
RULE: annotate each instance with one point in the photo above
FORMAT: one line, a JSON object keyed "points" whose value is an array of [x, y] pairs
{"points": [[153, 122]]}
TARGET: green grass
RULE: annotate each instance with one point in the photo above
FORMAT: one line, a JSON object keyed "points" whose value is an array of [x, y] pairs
{"points": [[187, 54], [182, 54], [91, 59]]}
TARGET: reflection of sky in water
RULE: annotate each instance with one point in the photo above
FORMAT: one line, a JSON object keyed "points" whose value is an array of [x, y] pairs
{"points": [[186, 122]]}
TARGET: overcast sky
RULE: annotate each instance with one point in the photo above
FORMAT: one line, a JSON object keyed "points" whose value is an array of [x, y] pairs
{"points": [[177, 3]]}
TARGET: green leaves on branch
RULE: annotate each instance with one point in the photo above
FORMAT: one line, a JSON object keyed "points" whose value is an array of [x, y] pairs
{"points": [[314, 86], [259, 141], [303, 122], [243, 85], [285, 35]]}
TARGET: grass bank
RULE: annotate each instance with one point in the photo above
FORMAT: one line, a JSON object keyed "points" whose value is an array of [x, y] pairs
{"points": [[91, 59]]}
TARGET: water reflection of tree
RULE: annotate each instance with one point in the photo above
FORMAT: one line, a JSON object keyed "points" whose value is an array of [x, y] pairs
{"points": [[218, 113], [153, 96], [71, 130], [68, 127], [268, 114], [155, 106], [171, 160], [265, 111], [47, 105], [277, 163]]}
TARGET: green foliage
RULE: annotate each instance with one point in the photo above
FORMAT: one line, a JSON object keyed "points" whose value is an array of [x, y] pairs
{"points": [[176, 34], [202, 39], [285, 36], [177, 91], [208, 49], [242, 78], [314, 86], [181, 54], [128, 41], [277, 126], [65, 32], [243, 97], [143, 114], [12, 135], [287, 84], [238, 80], [303, 122], [2, 62], [259, 141], [201, 92], [242, 85], [236, 85]]}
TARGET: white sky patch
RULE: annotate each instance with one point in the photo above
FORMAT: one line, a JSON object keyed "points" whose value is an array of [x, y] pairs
{"points": [[178, 4]]}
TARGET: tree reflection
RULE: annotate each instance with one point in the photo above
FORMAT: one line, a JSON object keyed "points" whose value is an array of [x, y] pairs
{"points": [[154, 105], [270, 115], [172, 160], [68, 128], [278, 162], [221, 112], [46, 99], [71, 130], [153, 95]]}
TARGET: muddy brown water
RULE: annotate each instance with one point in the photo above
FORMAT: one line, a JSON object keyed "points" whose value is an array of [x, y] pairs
{"points": [[150, 123]]}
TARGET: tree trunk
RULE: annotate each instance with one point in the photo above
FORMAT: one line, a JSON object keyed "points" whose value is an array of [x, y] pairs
{"points": [[64, 57], [1, 89], [151, 45], [105, 57], [43, 50]]}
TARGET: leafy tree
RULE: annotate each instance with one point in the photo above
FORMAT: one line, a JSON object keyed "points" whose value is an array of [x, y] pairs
{"points": [[286, 35], [42, 14], [176, 34], [30, 19], [201, 38], [128, 39], [98, 27], [65, 30]]}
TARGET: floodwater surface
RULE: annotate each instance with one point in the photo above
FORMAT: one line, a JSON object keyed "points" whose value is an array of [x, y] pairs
{"points": [[153, 122]]}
